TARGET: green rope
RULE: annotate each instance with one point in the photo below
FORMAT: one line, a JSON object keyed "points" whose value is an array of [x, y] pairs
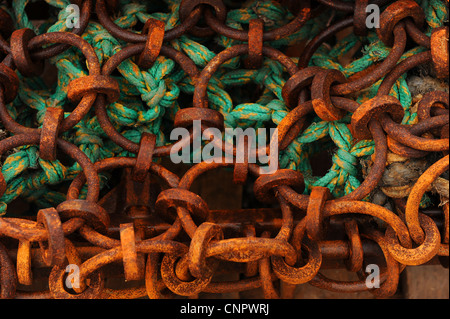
{"points": [[149, 98]]}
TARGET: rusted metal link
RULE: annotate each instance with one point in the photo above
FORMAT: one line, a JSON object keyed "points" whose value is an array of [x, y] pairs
{"points": [[255, 44], [360, 17], [155, 37], [416, 34], [22, 59], [154, 228], [49, 133], [395, 13], [9, 85], [330, 249], [439, 51], [187, 7]]}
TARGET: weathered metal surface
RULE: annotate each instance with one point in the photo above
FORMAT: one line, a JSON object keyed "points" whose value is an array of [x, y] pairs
{"points": [[161, 232]]}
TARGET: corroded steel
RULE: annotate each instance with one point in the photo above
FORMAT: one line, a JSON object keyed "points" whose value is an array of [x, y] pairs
{"points": [[160, 231]]}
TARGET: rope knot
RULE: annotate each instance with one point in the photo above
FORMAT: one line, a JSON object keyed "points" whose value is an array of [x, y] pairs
{"points": [[85, 135], [346, 161]]}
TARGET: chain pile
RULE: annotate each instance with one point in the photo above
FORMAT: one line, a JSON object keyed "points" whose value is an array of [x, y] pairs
{"points": [[132, 72]]}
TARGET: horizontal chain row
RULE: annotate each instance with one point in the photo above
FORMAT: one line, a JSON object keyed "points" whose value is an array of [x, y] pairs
{"points": [[187, 267]]}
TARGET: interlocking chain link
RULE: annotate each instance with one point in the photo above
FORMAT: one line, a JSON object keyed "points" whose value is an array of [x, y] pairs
{"points": [[179, 245]]}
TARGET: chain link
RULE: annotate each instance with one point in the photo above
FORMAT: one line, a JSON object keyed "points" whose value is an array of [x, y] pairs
{"points": [[174, 240]]}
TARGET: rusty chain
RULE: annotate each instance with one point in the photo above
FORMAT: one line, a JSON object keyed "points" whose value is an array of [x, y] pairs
{"points": [[177, 246]]}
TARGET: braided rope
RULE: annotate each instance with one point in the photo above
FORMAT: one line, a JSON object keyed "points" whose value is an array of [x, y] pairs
{"points": [[149, 98]]}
